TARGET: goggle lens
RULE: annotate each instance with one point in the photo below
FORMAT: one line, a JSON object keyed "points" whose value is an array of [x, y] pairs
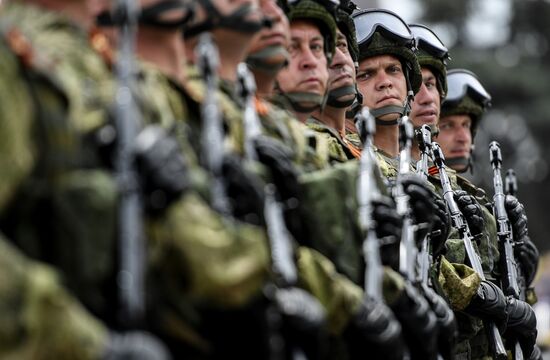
{"points": [[462, 82], [428, 41], [369, 21]]}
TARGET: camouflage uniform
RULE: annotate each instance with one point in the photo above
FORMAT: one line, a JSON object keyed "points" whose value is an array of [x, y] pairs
{"points": [[340, 148], [60, 183], [40, 319], [339, 296], [473, 342]]}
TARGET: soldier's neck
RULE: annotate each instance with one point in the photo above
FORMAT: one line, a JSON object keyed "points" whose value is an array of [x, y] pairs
{"points": [[162, 49], [386, 138], [265, 84], [232, 53], [302, 117], [333, 117]]}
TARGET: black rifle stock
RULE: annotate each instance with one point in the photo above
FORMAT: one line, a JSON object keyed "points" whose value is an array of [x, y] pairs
{"points": [[367, 192], [459, 222], [130, 278], [508, 264]]}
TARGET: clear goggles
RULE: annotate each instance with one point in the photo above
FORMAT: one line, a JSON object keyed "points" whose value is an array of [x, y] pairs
{"points": [[389, 24], [461, 82], [428, 41]]}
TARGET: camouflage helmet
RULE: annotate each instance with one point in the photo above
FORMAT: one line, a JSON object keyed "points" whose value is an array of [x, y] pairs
{"points": [[465, 96], [382, 32], [347, 26], [322, 14], [431, 53]]}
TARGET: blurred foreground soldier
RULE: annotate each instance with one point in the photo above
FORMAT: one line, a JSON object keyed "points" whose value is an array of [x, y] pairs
{"points": [[330, 120], [56, 192], [461, 112]]}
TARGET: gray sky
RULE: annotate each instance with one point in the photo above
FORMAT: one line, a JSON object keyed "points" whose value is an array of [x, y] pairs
{"points": [[488, 25]]}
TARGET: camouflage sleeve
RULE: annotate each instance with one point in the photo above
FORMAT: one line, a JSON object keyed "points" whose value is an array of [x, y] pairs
{"points": [[206, 258], [39, 320], [458, 282], [339, 296], [333, 233], [16, 147]]}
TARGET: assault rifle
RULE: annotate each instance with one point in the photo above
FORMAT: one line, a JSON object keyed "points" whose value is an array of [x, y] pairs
{"points": [[212, 140], [508, 264], [367, 193], [407, 245], [511, 183], [287, 295], [459, 222], [424, 139], [281, 245], [130, 278]]}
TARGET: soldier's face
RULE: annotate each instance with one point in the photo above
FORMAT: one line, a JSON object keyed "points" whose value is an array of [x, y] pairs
{"points": [[342, 69], [276, 35], [381, 81], [455, 137], [307, 70], [426, 106]]}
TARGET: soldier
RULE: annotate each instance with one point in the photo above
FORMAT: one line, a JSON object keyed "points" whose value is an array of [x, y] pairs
{"points": [[77, 189], [55, 193], [317, 275], [302, 84], [388, 76], [461, 112], [268, 55], [342, 91], [433, 57]]}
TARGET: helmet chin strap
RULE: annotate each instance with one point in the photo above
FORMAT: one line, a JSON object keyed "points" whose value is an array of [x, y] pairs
{"points": [[152, 16], [385, 110], [235, 21], [260, 59], [356, 106], [298, 100], [336, 94]]}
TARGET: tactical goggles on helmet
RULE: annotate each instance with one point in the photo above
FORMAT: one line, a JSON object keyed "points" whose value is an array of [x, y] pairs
{"points": [[390, 25], [428, 41], [462, 82]]}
